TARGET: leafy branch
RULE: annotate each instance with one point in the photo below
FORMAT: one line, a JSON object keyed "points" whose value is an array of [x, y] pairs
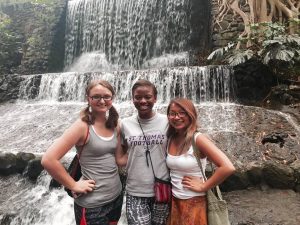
{"points": [[270, 43]]}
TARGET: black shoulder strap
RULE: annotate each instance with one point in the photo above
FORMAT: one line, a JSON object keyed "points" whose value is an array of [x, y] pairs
{"points": [[85, 139], [147, 151]]}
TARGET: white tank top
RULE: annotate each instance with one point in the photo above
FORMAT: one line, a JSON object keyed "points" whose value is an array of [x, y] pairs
{"points": [[184, 165]]}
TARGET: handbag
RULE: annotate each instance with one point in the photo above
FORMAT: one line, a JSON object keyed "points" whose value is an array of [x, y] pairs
{"points": [[162, 188], [217, 211], [74, 168]]}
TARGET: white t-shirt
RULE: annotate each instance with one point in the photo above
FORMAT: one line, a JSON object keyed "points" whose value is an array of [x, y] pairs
{"points": [[140, 178], [184, 165]]}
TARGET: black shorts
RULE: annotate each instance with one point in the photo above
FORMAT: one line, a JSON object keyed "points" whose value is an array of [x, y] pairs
{"points": [[102, 215]]}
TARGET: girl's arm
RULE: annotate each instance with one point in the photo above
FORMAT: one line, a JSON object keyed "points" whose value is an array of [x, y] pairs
{"points": [[121, 151], [74, 135], [224, 166]]}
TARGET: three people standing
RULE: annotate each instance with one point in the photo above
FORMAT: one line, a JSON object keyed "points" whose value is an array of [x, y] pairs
{"points": [[138, 142]]}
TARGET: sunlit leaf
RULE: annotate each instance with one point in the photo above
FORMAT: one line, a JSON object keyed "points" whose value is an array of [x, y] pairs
{"points": [[240, 57], [216, 54]]}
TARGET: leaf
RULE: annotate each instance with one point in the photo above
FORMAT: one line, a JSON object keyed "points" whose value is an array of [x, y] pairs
{"points": [[293, 39], [240, 57], [279, 55], [220, 52], [271, 42], [216, 54]]}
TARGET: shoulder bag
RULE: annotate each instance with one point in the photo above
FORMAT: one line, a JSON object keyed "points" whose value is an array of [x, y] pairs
{"points": [[217, 211], [74, 168], [162, 188]]}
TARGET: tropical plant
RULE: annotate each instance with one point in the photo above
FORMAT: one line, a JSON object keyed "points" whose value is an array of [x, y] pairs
{"points": [[270, 43]]}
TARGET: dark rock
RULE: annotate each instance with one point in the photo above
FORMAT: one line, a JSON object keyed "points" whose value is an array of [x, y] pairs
{"points": [[7, 163], [253, 82], [275, 138], [238, 181], [22, 160], [285, 94], [54, 184], [279, 176], [34, 168], [6, 219], [9, 87], [296, 167], [255, 173]]}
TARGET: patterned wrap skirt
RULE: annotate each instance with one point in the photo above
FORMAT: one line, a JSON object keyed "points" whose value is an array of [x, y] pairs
{"points": [[191, 211]]}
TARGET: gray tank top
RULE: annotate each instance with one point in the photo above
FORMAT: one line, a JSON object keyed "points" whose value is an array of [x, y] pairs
{"points": [[98, 163]]}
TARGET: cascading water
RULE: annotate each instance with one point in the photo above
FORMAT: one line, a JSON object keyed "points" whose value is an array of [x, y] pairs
{"points": [[32, 124], [43, 117], [128, 34], [106, 36]]}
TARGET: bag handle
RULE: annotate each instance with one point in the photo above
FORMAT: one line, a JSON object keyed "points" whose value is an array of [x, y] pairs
{"points": [[198, 158], [85, 139]]}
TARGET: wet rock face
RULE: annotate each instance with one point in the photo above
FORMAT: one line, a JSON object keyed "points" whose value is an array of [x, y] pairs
{"points": [[9, 87], [22, 160], [265, 150], [38, 32], [7, 163], [24, 163], [253, 82]]}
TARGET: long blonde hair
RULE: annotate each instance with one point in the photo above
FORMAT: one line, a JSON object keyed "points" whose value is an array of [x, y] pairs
{"points": [[88, 117], [188, 107]]}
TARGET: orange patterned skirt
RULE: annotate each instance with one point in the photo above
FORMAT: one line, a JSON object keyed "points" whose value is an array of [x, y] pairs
{"points": [[191, 211]]}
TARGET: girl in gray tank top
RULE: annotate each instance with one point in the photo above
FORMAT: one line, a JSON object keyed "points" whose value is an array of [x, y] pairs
{"points": [[97, 193]]}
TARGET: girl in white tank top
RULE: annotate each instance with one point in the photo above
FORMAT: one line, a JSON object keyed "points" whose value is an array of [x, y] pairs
{"points": [[189, 203]]}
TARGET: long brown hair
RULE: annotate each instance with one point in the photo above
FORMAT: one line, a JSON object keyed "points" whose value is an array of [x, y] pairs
{"points": [[88, 117], [187, 106]]}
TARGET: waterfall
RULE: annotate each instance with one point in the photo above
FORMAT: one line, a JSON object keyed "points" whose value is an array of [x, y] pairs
{"points": [[201, 84], [49, 103], [119, 41], [127, 32]]}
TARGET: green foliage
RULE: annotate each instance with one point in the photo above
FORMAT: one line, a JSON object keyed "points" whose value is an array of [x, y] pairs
{"points": [[239, 57], [270, 43], [284, 48], [7, 43]]}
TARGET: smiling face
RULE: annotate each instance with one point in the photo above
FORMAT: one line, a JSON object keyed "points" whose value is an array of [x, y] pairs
{"points": [[178, 118], [144, 100], [100, 99]]}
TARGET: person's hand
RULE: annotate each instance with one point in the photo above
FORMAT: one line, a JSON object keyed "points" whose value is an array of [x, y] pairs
{"points": [[193, 183], [83, 187]]}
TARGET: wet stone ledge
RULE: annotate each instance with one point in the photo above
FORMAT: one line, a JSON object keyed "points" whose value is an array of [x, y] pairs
{"points": [[27, 164], [273, 174]]}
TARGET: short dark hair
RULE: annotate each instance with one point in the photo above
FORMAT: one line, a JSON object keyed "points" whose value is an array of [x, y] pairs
{"points": [[141, 83]]}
